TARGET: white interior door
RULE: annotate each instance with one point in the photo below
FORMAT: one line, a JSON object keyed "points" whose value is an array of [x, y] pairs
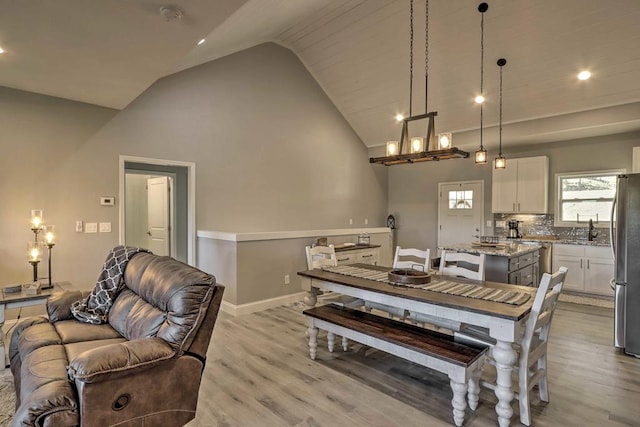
{"points": [[460, 212], [158, 214]]}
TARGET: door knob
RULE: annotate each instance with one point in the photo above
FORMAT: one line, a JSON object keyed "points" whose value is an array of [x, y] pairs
{"points": [[149, 233]]}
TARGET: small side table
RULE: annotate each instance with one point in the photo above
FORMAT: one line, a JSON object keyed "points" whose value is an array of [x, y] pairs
{"points": [[20, 299]]}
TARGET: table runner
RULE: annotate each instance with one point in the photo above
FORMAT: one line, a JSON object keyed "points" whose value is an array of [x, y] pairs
{"points": [[468, 290]]}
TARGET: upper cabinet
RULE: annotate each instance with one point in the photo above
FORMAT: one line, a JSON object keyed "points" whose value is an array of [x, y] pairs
{"points": [[521, 187]]}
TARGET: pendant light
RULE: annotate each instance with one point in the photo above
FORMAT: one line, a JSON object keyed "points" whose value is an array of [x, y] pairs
{"points": [[481, 154], [420, 149], [500, 161]]}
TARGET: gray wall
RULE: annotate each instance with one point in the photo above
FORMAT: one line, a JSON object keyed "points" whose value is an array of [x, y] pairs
{"points": [[413, 189], [44, 143], [272, 153]]}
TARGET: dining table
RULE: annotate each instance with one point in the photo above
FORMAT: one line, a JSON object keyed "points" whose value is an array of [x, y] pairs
{"points": [[501, 309]]}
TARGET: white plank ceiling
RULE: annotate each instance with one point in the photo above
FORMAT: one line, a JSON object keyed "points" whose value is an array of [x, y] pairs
{"points": [[358, 51]]}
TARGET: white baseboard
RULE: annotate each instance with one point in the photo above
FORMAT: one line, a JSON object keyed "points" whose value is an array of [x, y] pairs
{"points": [[253, 307]]}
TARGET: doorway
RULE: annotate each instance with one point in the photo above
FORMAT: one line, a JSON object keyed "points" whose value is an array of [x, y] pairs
{"points": [[157, 209], [460, 212], [150, 212]]}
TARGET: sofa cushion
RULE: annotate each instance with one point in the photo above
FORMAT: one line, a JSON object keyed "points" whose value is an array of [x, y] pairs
{"points": [[75, 349], [164, 298], [38, 335], [42, 366], [71, 331]]}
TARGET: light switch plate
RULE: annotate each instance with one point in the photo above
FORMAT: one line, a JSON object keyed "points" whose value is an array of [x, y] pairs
{"points": [[105, 227], [91, 227]]}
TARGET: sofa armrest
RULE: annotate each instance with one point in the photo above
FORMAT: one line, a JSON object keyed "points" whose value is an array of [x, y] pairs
{"points": [[119, 360], [59, 304]]}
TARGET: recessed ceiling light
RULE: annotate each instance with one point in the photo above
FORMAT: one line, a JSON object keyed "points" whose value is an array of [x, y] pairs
{"points": [[399, 117], [200, 42], [1, 50], [584, 75], [479, 99]]}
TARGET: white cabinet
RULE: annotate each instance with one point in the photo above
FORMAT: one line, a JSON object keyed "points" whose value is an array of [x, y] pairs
{"points": [[523, 186], [590, 267], [358, 255]]}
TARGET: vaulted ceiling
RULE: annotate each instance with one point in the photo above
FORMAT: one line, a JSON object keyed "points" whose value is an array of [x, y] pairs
{"points": [[108, 52]]}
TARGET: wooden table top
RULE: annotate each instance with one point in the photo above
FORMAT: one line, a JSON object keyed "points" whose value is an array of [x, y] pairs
{"points": [[496, 309]]}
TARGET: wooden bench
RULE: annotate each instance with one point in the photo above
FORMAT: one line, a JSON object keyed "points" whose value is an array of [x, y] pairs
{"points": [[435, 350]]}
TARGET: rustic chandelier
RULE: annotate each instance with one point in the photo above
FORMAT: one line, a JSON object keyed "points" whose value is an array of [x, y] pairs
{"points": [[421, 149]]}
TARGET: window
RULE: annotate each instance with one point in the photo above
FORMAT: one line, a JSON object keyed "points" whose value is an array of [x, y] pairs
{"points": [[461, 199], [584, 196]]}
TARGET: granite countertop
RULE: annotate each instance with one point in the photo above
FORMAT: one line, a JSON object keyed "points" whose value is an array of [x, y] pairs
{"points": [[509, 249], [554, 239]]}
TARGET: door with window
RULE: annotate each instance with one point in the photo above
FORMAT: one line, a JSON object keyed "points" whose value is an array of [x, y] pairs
{"points": [[460, 212]]}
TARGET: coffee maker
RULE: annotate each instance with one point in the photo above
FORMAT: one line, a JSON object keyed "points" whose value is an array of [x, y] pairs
{"points": [[514, 229]]}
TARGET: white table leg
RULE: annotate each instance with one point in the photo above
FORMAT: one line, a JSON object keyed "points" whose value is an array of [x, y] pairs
{"points": [[313, 340], [459, 401], [331, 341], [505, 357], [345, 343], [311, 298], [3, 356], [474, 388]]}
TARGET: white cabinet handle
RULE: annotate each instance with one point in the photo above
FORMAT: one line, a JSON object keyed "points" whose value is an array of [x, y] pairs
{"points": [[514, 206], [518, 206]]}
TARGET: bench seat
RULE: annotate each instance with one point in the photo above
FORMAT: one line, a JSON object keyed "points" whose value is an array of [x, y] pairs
{"points": [[462, 362]]}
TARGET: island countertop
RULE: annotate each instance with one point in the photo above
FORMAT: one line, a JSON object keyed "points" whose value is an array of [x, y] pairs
{"points": [[503, 249]]}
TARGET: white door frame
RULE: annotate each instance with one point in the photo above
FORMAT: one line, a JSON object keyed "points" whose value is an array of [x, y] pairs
{"points": [[481, 182], [191, 198]]}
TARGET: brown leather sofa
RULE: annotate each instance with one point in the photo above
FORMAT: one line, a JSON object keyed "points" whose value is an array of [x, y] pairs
{"points": [[142, 368]]}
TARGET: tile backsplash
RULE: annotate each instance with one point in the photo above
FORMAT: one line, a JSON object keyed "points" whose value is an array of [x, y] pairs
{"points": [[542, 225]]}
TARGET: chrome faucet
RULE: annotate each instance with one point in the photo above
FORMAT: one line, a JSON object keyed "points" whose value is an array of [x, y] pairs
{"points": [[592, 234]]}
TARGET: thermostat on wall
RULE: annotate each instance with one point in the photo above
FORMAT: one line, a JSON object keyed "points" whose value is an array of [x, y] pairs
{"points": [[107, 201]]}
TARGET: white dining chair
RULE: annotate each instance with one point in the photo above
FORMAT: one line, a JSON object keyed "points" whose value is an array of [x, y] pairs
{"points": [[532, 349], [462, 264], [321, 256], [415, 259], [454, 264], [410, 258]]}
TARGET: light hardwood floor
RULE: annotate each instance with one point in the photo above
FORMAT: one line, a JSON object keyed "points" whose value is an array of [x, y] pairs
{"points": [[259, 374]]}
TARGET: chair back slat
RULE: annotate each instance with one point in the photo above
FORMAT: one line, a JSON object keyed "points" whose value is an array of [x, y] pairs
{"points": [[419, 259], [450, 265], [320, 256], [543, 307]]}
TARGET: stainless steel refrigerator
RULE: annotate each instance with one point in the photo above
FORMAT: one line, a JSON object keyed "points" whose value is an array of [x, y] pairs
{"points": [[625, 242]]}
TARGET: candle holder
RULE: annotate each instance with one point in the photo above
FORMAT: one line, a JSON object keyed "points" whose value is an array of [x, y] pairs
{"points": [[49, 237], [36, 222], [34, 255]]}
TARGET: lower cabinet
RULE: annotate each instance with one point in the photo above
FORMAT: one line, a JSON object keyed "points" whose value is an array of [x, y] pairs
{"points": [[368, 255], [590, 267], [516, 270]]}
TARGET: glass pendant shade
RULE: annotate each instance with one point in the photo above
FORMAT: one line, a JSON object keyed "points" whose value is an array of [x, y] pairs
{"points": [[392, 148], [444, 141], [481, 156], [417, 144], [500, 162]]}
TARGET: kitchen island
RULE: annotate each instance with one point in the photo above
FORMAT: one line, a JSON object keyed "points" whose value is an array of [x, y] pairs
{"points": [[513, 263]]}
